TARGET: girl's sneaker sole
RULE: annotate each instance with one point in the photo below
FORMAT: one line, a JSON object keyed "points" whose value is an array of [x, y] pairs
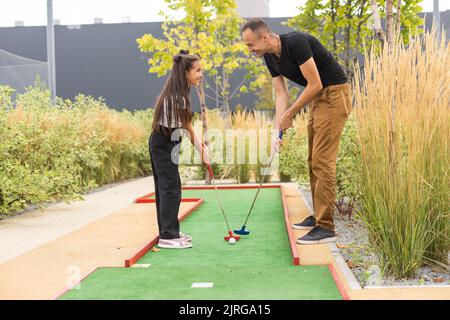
{"points": [[167, 246], [174, 244]]}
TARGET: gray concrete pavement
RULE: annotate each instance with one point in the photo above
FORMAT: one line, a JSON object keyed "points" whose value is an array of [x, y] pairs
{"points": [[32, 229]]}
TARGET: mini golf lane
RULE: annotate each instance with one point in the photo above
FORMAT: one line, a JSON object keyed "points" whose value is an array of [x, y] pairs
{"points": [[258, 266]]}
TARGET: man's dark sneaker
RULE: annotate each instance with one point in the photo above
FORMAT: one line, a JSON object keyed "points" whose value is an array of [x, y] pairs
{"points": [[317, 235], [308, 223]]}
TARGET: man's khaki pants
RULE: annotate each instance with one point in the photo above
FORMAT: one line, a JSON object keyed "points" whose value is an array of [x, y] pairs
{"points": [[328, 113]]}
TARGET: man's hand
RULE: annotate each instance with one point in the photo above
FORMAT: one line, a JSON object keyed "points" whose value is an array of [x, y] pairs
{"points": [[285, 120]]}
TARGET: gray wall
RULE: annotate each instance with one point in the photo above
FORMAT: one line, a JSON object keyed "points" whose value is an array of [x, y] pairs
{"points": [[104, 60], [99, 60]]}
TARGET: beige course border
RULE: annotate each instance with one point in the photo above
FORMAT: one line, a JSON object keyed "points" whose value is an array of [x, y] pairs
{"points": [[50, 269]]}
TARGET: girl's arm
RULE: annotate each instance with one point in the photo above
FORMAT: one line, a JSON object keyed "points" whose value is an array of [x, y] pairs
{"points": [[197, 143]]}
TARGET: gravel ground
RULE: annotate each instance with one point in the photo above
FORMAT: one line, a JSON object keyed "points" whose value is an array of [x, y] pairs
{"points": [[352, 240]]}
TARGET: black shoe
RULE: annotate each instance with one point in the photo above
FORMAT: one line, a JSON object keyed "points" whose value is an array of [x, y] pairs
{"points": [[317, 235], [308, 223]]}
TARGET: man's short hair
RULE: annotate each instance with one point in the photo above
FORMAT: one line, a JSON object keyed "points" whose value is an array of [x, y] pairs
{"points": [[256, 25]]}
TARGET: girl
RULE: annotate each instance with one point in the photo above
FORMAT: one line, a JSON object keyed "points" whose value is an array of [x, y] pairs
{"points": [[172, 112]]}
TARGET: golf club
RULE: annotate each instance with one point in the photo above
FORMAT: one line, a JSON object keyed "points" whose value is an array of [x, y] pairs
{"points": [[230, 233], [242, 231]]}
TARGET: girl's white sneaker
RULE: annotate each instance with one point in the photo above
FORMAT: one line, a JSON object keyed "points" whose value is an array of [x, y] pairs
{"points": [[178, 243]]}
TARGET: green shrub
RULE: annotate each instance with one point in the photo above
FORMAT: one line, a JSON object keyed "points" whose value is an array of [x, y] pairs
{"points": [[294, 155], [57, 152]]}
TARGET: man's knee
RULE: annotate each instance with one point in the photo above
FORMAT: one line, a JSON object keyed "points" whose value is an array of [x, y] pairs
{"points": [[323, 170]]}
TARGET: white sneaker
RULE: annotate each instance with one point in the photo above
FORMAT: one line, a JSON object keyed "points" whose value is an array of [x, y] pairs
{"points": [[178, 243]]}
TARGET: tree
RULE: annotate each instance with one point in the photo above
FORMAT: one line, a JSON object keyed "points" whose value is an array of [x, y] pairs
{"points": [[389, 22], [228, 55], [377, 21], [399, 11], [211, 28], [344, 25], [340, 25], [406, 16]]}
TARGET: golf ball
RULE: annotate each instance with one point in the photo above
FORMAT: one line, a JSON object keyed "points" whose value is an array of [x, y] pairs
{"points": [[232, 241]]}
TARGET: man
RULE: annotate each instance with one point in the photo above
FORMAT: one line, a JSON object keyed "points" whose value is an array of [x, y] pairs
{"points": [[301, 58]]}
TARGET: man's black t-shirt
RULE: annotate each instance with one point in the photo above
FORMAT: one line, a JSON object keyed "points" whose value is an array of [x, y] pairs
{"points": [[296, 49]]}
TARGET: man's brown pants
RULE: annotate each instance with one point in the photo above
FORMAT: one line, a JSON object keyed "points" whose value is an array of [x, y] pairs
{"points": [[328, 113]]}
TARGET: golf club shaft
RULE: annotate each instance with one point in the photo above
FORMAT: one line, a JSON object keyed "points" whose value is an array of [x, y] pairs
{"points": [[257, 192], [218, 198], [280, 136]]}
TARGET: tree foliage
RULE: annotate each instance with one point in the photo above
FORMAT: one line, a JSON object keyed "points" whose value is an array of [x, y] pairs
{"points": [[211, 28], [345, 26]]}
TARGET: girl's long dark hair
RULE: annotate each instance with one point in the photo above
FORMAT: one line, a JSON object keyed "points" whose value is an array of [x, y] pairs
{"points": [[175, 94]]}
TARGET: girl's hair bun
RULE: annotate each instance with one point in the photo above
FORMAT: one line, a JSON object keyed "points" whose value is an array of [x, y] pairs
{"points": [[177, 58]]}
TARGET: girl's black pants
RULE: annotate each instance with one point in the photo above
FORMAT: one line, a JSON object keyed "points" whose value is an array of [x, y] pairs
{"points": [[164, 154]]}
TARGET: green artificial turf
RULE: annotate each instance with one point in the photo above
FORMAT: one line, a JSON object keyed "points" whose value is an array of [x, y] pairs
{"points": [[258, 266]]}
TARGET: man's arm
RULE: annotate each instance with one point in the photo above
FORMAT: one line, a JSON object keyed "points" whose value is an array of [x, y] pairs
{"points": [[311, 74], [281, 99]]}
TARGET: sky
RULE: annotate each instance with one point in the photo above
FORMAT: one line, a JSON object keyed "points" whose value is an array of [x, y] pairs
{"points": [[69, 12]]}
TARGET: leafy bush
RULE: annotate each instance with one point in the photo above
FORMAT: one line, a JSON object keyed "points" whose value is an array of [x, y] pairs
{"points": [[294, 154], [57, 152]]}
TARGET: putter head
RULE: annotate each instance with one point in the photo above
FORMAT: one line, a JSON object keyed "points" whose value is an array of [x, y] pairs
{"points": [[242, 231], [230, 235]]}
